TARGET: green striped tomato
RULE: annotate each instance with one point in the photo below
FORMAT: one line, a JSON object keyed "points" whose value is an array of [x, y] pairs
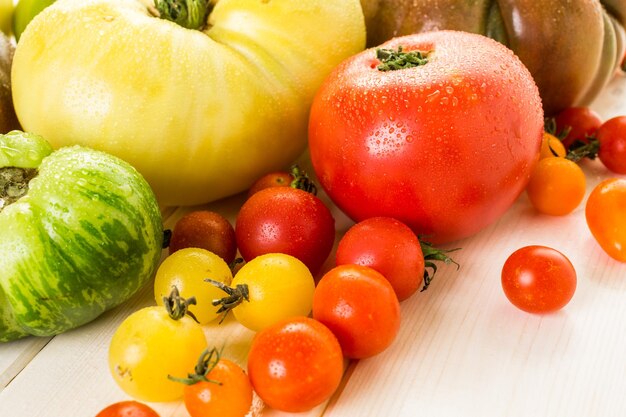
{"points": [[85, 235]]}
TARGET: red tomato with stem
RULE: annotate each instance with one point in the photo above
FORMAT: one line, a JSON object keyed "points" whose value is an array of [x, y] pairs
{"points": [[606, 216], [538, 279], [127, 409], [576, 124], [388, 246], [612, 138], [360, 307], [295, 364], [286, 220], [441, 134]]}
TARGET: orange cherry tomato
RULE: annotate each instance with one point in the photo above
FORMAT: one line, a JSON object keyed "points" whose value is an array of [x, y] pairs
{"points": [[360, 307], [556, 186], [606, 216], [295, 365], [127, 409], [538, 279], [228, 393], [551, 146]]}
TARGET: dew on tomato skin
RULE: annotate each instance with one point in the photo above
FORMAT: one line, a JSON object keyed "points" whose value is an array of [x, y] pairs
{"points": [[277, 369]]}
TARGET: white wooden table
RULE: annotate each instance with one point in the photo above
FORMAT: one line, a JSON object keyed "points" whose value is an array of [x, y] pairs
{"points": [[463, 349]]}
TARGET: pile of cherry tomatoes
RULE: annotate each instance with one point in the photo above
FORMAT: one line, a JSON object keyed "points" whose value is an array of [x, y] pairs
{"points": [[539, 279], [306, 327]]}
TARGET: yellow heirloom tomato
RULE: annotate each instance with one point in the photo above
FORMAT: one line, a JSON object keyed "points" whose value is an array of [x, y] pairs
{"points": [[201, 113]]}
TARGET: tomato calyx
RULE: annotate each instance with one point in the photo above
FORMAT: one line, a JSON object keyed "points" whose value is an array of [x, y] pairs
{"points": [[235, 297], [391, 60], [549, 126], [177, 307], [579, 149], [14, 184], [190, 14], [208, 360], [431, 254], [301, 180]]}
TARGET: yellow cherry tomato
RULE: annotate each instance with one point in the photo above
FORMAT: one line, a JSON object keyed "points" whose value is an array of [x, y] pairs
{"points": [[151, 345], [188, 269], [268, 289], [556, 186], [551, 146]]}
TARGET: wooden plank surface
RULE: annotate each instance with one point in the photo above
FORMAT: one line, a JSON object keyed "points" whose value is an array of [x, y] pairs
{"points": [[463, 350]]}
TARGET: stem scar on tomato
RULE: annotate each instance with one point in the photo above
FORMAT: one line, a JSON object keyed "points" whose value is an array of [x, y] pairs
{"points": [[190, 14], [14, 184], [235, 297], [206, 362], [433, 254]]}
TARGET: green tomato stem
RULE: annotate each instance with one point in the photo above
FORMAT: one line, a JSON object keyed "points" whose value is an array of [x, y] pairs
{"points": [[235, 297], [190, 14], [177, 307], [391, 60], [206, 362], [433, 254], [579, 149], [301, 180]]}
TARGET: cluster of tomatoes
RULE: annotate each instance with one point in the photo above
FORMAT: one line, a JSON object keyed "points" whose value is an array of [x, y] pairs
{"points": [[557, 185], [305, 329], [539, 279]]}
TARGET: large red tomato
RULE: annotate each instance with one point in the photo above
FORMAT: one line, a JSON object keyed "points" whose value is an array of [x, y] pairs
{"points": [[445, 146]]}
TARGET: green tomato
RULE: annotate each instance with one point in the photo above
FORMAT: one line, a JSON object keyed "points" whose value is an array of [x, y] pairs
{"points": [[148, 347], [187, 269], [200, 113], [268, 289], [24, 12], [81, 233]]}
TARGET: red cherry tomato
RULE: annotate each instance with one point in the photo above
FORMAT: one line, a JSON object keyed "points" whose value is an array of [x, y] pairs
{"points": [[273, 179], [360, 307], [206, 230], [612, 138], [295, 364], [127, 409], [538, 279], [286, 220], [445, 147], [390, 247], [606, 216], [580, 121]]}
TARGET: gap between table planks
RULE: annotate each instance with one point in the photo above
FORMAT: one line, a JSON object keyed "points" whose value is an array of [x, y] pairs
{"points": [[462, 349]]}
